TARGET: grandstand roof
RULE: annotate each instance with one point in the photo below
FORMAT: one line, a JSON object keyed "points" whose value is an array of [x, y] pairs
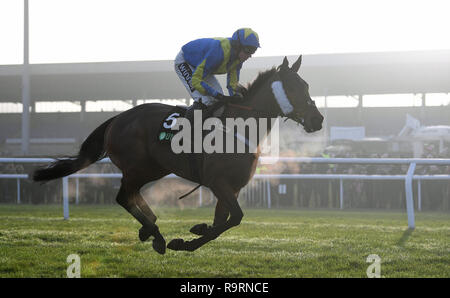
{"points": [[327, 74]]}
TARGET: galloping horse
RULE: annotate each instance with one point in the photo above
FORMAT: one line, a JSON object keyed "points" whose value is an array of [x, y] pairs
{"points": [[130, 139]]}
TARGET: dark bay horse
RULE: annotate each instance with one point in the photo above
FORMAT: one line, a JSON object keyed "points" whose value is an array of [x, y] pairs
{"points": [[130, 139]]}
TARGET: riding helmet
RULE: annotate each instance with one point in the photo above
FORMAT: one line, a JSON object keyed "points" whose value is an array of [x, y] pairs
{"points": [[245, 37]]}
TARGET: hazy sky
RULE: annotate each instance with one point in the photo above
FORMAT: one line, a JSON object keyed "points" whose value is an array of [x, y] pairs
{"points": [[125, 30]]}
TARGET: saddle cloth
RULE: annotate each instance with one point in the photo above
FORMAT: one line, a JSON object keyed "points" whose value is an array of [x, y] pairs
{"points": [[166, 134]]}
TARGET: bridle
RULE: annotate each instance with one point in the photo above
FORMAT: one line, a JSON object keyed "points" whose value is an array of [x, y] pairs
{"points": [[293, 115]]}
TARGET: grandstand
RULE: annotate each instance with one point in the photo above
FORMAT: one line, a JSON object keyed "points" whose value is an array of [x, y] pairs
{"points": [[69, 100]]}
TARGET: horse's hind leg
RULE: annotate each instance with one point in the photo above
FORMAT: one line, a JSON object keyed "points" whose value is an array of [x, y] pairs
{"points": [[145, 231], [130, 198]]}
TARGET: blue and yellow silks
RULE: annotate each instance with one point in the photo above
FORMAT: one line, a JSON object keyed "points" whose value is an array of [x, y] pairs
{"points": [[210, 56]]}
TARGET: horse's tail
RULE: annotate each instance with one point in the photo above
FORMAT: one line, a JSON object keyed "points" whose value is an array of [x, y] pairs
{"points": [[91, 150]]}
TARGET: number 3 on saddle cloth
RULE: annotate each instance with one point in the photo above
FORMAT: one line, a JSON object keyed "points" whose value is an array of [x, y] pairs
{"points": [[166, 134]]}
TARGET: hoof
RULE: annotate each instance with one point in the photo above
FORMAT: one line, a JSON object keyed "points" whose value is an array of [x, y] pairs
{"points": [[144, 234], [159, 245], [199, 229], [176, 244]]}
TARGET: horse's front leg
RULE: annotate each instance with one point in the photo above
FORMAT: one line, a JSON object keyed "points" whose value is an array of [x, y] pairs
{"points": [[220, 217], [212, 233], [228, 201]]}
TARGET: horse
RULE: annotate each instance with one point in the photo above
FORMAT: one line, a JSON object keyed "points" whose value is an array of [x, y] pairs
{"points": [[130, 140]]}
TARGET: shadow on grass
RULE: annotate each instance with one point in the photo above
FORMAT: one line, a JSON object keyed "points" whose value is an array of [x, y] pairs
{"points": [[406, 234]]}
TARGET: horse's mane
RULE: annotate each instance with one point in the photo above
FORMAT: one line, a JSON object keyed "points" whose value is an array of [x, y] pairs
{"points": [[260, 80]]}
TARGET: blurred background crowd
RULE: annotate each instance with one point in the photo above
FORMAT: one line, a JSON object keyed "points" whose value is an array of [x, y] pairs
{"points": [[284, 193]]}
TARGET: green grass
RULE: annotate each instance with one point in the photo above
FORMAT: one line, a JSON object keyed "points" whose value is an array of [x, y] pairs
{"points": [[35, 242]]}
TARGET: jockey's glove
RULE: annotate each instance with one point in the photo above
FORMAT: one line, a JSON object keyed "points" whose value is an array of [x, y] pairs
{"points": [[242, 90]]}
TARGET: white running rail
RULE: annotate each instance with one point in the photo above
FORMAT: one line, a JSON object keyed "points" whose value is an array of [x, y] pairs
{"points": [[408, 177]]}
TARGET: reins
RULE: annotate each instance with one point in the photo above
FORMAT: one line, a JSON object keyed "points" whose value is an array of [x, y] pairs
{"points": [[247, 108], [241, 107]]}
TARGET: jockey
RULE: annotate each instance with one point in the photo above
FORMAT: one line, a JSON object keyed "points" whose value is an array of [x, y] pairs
{"points": [[201, 59]]}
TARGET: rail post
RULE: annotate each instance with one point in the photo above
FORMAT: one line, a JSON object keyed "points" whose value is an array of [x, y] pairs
{"points": [[419, 195], [18, 190], [77, 193], [65, 197], [409, 195]]}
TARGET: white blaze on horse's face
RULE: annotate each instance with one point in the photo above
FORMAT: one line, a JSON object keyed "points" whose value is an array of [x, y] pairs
{"points": [[281, 97]]}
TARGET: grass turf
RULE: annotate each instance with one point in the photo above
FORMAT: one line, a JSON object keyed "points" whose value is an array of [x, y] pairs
{"points": [[35, 242]]}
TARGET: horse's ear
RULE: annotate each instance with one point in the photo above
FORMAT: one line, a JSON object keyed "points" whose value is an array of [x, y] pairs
{"points": [[285, 64], [296, 66]]}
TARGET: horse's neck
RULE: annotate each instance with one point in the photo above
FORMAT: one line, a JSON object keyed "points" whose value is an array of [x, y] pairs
{"points": [[255, 105]]}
